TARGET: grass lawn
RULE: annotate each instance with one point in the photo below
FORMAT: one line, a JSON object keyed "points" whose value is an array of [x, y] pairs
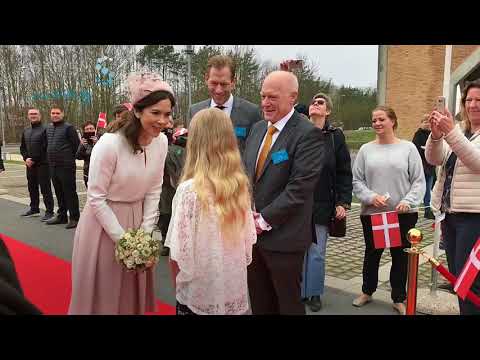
{"points": [[13, 162], [356, 138]]}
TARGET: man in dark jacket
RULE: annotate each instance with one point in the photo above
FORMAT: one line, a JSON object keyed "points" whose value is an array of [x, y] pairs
{"points": [[34, 152], [87, 142], [220, 81], [63, 143], [171, 177], [2, 167], [420, 139], [12, 299], [283, 158]]}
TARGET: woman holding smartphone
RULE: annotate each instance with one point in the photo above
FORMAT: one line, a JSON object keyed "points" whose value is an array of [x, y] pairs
{"points": [[457, 191], [87, 142]]}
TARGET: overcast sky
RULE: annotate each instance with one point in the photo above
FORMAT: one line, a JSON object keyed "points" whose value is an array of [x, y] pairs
{"points": [[354, 65]]}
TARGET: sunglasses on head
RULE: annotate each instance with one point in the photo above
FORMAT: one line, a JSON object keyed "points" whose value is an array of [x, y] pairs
{"points": [[318, 102]]}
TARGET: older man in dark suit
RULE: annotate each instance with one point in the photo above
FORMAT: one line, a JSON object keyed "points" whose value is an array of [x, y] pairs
{"points": [[283, 158], [220, 80]]}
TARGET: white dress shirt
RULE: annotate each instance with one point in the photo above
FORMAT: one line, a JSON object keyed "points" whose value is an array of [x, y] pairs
{"points": [[280, 124], [228, 105]]}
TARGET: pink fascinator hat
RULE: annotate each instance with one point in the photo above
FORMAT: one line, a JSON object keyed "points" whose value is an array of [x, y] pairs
{"points": [[142, 84]]}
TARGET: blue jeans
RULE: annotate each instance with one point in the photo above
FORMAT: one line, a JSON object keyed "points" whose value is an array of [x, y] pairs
{"points": [[460, 233], [428, 191], [313, 281]]}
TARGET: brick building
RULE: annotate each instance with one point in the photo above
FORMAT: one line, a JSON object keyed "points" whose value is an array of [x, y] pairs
{"points": [[410, 77]]}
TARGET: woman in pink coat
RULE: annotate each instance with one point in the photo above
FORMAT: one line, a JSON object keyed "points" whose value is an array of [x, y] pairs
{"points": [[125, 181]]}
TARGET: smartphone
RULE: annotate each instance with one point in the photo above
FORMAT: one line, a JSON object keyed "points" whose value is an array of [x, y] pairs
{"points": [[440, 104], [296, 64]]}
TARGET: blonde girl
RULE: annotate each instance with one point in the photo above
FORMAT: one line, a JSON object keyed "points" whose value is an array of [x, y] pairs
{"points": [[212, 231]]}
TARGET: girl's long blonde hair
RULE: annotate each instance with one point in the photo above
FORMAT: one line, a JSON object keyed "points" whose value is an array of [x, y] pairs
{"points": [[213, 162]]}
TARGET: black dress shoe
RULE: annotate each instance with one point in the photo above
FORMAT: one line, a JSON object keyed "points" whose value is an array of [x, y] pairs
{"points": [[46, 217], [30, 213], [165, 251], [56, 220], [71, 224], [315, 303]]}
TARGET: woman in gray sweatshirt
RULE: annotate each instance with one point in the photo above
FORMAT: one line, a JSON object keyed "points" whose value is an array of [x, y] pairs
{"points": [[387, 176]]}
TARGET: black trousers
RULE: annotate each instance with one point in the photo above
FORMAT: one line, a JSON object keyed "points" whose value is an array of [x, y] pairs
{"points": [[163, 223], [274, 280], [399, 269], [460, 233], [39, 175], [65, 185]]}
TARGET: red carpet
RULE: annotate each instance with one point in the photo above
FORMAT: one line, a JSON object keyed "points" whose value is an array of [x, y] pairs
{"points": [[46, 279]]}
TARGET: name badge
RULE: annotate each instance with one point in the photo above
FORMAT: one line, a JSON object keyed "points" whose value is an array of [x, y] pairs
{"points": [[241, 132], [279, 156]]}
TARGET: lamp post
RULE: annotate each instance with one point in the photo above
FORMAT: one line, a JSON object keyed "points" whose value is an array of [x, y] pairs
{"points": [[189, 51]]}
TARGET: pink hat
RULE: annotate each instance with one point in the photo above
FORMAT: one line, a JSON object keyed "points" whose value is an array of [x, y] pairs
{"points": [[128, 106], [142, 84]]}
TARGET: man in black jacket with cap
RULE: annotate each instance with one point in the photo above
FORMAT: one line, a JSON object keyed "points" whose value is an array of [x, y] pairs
{"points": [[34, 152]]}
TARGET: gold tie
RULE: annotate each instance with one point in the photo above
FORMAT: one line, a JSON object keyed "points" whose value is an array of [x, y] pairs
{"points": [[265, 150]]}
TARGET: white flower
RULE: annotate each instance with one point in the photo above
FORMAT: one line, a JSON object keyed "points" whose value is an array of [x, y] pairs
{"points": [[127, 236], [130, 263], [140, 246], [135, 253], [146, 252], [138, 261]]}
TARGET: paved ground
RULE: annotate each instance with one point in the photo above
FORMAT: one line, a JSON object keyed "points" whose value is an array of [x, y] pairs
{"points": [[343, 265]]}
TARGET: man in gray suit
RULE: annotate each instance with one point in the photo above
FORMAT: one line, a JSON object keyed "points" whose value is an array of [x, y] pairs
{"points": [[220, 80], [283, 157]]}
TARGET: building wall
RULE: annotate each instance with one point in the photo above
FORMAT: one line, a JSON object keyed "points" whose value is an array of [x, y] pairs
{"points": [[414, 78], [460, 53]]}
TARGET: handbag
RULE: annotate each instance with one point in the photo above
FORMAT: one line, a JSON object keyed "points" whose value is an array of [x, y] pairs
{"points": [[336, 227]]}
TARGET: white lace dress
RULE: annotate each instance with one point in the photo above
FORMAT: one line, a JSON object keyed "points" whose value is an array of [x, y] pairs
{"points": [[213, 273]]}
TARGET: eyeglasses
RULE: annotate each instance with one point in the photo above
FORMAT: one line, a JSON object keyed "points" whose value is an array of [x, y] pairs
{"points": [[318, 102]]}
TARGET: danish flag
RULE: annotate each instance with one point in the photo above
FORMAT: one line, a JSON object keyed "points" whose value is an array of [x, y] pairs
{"points": [[102, 120], [386, 230], [469, 273]]}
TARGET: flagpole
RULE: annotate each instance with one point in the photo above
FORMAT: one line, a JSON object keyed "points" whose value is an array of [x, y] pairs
{"points": [[406, 212]]}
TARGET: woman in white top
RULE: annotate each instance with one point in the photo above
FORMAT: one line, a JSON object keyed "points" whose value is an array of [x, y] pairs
{"points": [[212, 231], [125, 181]]}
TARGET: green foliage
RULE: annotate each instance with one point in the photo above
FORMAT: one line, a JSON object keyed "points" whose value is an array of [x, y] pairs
{"points": [[356, 138], [29, 73]]}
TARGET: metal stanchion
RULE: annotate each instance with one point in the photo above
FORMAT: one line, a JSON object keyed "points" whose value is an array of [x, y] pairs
{"points": [[436, 245], [415, 237]]}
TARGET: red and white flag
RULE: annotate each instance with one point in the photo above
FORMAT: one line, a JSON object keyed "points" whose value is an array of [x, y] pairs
{"points": [[102, 120], [386, 230], [469, 273]]}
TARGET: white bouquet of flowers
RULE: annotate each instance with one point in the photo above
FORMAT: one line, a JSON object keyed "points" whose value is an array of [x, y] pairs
{"points": [[137, 250]]}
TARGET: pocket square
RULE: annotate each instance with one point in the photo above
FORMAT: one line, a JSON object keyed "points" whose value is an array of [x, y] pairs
{"points": [[279, 156]]}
